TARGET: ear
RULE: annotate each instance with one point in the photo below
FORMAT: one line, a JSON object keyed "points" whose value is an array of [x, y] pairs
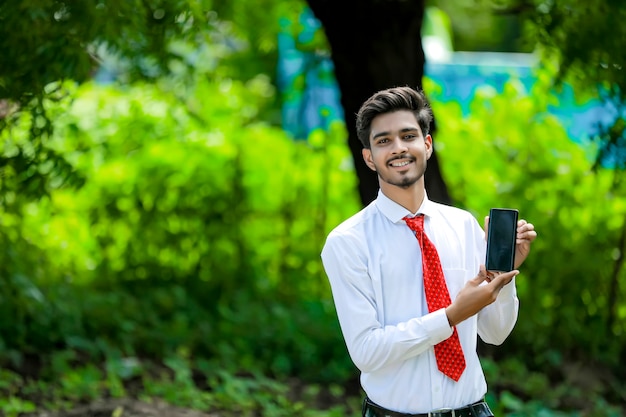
{"points": [[428, 143], [367, 157]]}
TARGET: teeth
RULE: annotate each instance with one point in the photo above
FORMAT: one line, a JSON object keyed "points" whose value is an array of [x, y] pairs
{"points": [[400, 164]]}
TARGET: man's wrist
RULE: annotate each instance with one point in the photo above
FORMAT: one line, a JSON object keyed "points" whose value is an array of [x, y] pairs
{"points": [[449, 315]]}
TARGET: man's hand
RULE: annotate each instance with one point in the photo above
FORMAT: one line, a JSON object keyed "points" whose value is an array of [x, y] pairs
{"points": [[473, 297], [525, 236]]}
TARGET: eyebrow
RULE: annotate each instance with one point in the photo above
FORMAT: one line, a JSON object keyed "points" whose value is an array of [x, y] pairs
{"points": [[386, 133]]}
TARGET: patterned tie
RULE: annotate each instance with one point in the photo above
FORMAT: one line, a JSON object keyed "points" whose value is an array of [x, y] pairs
{"points": [[449, 354]]}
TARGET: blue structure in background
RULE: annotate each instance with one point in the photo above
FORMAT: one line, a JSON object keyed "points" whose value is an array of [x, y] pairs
{"points": [[306, 81], [464, 72], [312, 97]]}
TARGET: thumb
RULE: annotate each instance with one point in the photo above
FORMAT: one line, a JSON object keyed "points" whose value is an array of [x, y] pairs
{"points": [[504, 278]]}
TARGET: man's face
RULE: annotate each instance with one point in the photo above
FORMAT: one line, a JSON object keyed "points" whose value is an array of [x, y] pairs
{"points": [[399, 150]]}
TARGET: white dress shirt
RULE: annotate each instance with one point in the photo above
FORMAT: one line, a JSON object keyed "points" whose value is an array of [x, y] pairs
{"points": [[374, 265]]}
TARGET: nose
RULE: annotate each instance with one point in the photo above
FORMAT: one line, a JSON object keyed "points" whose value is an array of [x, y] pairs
{"points": [[398, 146]]}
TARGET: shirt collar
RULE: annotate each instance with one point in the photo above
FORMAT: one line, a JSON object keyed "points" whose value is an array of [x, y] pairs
{"points": [[395, 212]]}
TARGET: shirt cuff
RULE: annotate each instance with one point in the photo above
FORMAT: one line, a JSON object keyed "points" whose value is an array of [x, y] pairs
{"points": [[437, 326], [508, 291]]}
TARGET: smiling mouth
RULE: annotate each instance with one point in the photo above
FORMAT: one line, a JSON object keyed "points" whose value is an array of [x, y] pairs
{"points": [[399, 164]]}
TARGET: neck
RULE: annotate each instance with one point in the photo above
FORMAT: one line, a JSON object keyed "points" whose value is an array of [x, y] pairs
{"points": [[411, 197]]}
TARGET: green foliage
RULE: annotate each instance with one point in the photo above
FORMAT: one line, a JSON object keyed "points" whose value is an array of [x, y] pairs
{"points": [[198, 386], [11, 404], [585, 43], [45, 44], [570, 29], [478, 26], [517, 391], [190, 235], [48, 41], [185, 231], [176, 386], [193, 223]]}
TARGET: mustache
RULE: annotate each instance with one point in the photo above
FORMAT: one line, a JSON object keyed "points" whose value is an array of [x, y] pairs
{"points": [[402, 156]]}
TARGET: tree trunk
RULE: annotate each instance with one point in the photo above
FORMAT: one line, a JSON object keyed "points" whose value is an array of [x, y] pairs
{"points": [[376, 44]]}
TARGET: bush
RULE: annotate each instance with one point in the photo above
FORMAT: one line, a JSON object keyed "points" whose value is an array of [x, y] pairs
{"points": [[186, 233]]}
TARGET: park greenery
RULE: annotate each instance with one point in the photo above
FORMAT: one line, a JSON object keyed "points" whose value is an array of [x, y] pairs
{"points": [[193, 244], [160, 239]]}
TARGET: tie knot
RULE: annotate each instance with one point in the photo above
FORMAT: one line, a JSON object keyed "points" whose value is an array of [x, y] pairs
{"points": [[415, 223]]}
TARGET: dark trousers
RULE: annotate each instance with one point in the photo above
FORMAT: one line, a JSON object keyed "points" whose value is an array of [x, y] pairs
{"points": [[478, 409]]}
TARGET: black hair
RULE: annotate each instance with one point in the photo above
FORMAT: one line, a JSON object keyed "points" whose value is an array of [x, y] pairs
{"points": [[390, 100]]}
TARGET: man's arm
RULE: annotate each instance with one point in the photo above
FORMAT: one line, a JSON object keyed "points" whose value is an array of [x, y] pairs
{"points": [[371, 344]]}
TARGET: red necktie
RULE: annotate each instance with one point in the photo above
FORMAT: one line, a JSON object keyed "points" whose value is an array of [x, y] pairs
{"points": [[449, 354]]}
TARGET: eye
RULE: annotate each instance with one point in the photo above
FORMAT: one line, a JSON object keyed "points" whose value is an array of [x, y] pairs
{"points": [[409, 136]]}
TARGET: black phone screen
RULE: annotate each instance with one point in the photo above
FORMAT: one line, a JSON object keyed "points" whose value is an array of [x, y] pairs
{"points": [[501, 234]]}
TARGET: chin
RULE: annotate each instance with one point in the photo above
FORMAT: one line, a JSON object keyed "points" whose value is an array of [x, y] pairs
{"points": [[405, 182]]}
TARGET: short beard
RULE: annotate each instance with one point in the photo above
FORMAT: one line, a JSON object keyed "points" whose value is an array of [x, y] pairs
{"points": [[405, 183]]}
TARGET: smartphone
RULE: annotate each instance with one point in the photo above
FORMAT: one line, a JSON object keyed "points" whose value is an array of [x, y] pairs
{"points": [[501, 234]]}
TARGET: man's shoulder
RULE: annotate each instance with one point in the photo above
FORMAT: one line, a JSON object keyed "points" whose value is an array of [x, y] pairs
{"points": [[449, 209], [354, 223], [452, 213], [349, 236]]}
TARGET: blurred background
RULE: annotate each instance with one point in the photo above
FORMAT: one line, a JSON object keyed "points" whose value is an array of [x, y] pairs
{"points": [[169, 170]]}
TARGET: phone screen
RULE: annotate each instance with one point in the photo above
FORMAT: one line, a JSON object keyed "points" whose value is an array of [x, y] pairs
{"points": [[501, 234]]}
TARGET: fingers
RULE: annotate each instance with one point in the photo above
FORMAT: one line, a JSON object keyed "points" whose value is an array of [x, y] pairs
{"points": [[486, 225], [525, 231], [524, 226], [483, 275]]}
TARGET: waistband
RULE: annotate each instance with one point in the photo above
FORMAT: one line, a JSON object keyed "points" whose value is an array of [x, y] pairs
{"points": [[478, 409]]}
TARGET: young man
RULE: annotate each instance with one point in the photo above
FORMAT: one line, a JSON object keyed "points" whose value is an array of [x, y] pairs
{"points": [[410, 313]]}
